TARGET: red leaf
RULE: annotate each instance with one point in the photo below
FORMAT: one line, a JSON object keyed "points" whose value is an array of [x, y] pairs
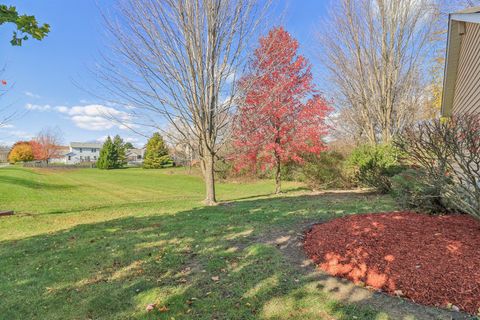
{"points": [[281, 116]]}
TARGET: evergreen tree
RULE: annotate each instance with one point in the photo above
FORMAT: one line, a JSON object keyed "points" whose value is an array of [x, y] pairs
{"points": [[156, 153], [108, 155], [128, 145], [120, 148]]}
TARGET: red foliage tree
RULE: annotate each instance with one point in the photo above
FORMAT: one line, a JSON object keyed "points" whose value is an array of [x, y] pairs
{"points": [[281, 116], [46, 145]]}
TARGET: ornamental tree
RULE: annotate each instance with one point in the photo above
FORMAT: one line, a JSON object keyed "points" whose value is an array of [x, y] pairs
{"points": [[46, 145], [20, 152], [108, 158], [119, 146], [281, 116], [156, 153]]}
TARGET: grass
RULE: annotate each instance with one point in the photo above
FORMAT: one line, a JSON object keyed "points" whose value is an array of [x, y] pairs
{"points": [[90, 244]]}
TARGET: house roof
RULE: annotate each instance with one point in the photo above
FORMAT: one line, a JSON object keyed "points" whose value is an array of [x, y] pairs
{"points": [[468, 10], [135, 151], [92, 145], [456, 29]]}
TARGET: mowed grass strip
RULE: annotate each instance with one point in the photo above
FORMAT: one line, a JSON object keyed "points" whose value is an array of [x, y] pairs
{"points": [[91, 244]]}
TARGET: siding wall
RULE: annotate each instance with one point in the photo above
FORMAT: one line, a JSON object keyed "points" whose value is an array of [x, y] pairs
{"points": [[467, 87], [3, 156]]}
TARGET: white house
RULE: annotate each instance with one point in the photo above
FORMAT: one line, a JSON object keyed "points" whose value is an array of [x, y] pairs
{"points": [[82, 152], [135, 156]]}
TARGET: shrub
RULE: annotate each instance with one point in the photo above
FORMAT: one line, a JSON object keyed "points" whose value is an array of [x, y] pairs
{"points": [[325, 171], [166, 161], [156, 153], [415, 189], [448, 148], [374, 165], [108, 155]]}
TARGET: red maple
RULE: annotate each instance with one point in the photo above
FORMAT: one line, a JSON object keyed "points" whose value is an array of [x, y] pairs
{"points": [[46, 145], [4, 82], [281, 116]]}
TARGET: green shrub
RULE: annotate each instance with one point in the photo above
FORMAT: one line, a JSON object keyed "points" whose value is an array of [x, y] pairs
{"points": [[224, 169], [374, 165], [414, 189], [325, 171], [166, 161], [156, 153], [108, 158]]}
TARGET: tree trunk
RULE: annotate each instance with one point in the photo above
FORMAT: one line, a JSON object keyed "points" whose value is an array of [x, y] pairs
{"points": [[278, 182], [209, 175]]}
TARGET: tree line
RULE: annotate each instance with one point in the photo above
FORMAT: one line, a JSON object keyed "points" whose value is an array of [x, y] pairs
{"points": [[113, 154], [192, 68]]}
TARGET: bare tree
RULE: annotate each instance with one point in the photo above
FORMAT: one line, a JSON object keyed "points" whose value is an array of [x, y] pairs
{"points": [[46, 145], [177, 60], [375, 52], [6, 114]]}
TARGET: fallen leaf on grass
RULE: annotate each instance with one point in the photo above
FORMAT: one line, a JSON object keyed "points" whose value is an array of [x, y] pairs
{"points": [[150, 307], [163, 309], [216, 278]]}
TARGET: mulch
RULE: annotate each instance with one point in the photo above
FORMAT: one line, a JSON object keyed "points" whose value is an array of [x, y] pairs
{"points": [[432, 260]]}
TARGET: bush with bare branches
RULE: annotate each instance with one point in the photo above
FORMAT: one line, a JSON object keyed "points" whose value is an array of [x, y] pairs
{"points": [[448, 151]]}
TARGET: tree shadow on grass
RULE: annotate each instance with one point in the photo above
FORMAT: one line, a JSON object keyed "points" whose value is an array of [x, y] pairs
{"points": [[32, 184], [206, 263]]}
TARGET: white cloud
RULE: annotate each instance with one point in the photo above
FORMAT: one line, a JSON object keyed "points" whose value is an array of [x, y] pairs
{"points": [[32, 95], [96, 117], [21, 135], [37, 107], [7, 126], [131, 139], [8, 138], [102, 139]]}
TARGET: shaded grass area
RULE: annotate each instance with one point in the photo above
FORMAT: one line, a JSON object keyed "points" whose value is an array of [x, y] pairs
{"points": [[144, 238]]}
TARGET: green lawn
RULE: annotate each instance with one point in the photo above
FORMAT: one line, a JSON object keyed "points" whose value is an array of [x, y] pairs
{"points": [[90, 244]]}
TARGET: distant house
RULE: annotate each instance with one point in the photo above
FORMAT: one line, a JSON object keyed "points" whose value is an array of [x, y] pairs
{"points": [[461, 88], [62, 151], [135, 156], [82, 152], [4, 151]]}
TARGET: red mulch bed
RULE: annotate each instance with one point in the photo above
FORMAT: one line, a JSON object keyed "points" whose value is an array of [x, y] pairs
{"points": [[432, 260]]}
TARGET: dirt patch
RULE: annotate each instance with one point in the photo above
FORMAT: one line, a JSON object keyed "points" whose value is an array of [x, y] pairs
{"points": [[432, 260]]}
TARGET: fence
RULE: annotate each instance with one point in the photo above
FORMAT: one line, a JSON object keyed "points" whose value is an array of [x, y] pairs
{"points": [[41, 164]]}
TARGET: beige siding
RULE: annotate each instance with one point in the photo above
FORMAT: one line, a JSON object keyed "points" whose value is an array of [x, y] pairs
{"points": [[467, 87]]}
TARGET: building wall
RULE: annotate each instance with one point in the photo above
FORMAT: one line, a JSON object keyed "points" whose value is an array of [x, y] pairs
{"points": [[82, 155], [467, 86], [3, 156]]}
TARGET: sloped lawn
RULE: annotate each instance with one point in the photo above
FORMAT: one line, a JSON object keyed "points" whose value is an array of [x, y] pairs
{"points": [[91, 244]]}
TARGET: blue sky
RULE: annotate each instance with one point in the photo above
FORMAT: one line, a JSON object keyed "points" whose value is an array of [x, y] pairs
{"points": [[43, 74]]}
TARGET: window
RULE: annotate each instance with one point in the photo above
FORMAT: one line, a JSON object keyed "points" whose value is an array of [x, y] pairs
{"points": [[81, 150], [81, 158], [69, 158], [94, 150], [139, 157], [94, 157]]}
